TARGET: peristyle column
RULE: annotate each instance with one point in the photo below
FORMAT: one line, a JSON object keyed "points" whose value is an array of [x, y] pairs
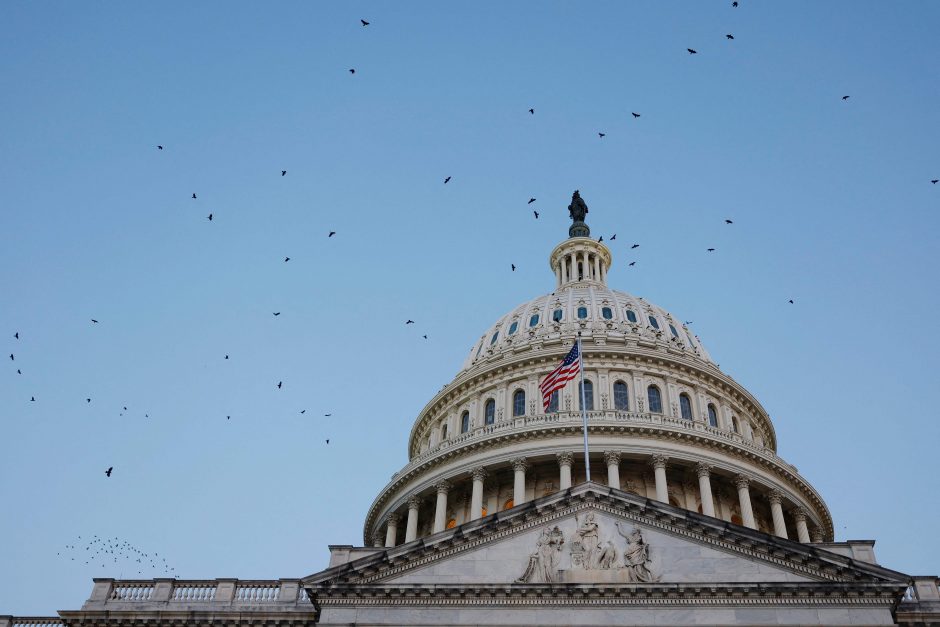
{"points": [[519, 466], [411, 530], [612, 459], [776, 511], [564, 464], [440, 508], [744, 497], [802, 532], [391, 531], [704, 472], [658, 462], [476, 499]]}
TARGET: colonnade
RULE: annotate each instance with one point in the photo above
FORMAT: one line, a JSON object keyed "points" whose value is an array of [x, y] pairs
{"points": [[612, 459], [580, 265]]}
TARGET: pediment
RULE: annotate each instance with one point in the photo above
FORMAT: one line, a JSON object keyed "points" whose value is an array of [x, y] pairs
{"points": [[596, 535]]}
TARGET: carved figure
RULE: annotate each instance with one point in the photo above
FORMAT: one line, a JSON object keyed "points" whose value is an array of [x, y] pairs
{"points": [[584, 550], [636, 557], [577, 209], [543, 564], [607, 556]]}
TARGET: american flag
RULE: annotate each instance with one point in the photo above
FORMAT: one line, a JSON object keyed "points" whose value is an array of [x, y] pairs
{"points": [[560, 376]]}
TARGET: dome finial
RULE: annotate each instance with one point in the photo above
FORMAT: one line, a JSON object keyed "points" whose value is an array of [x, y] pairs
{"points": [[578, 210]]}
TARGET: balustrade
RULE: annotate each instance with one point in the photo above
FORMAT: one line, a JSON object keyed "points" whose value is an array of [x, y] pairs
{"points": [[131, 591], [257, 592], [194, 592]]}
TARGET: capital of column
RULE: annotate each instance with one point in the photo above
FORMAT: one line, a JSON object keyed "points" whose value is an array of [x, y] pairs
{"points": [[479, 473], [443, 487], [816, 535], [658, 461], [378, 539], [414, 502], [742, 481], [775, 497], [392, 519], [703, 470], [565, 459], [520, 464], [612, 458], [800, 514]]}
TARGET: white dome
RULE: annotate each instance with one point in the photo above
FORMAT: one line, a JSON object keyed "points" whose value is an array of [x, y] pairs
{"points": [[603, 312]]}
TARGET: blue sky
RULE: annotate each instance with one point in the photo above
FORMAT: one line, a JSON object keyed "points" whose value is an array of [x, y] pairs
{"points": [[831, 201]]}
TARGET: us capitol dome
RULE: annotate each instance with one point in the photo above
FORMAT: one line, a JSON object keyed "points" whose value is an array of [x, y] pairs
{"points": [[664, 422]]}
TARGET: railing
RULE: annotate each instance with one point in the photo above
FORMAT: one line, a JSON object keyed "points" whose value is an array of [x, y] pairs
{"points": [[131, 592], [36, 621], [258, 593], [195, 591], [171, 593]]}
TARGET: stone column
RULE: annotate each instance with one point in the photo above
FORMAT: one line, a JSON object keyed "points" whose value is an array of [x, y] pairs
{"points": [[565, 460], [816, 536], [411, 530], [391, 532], [476, 499], [802, 533], [612, 458], [776, 510], [440, 508], [597, 268], [558, 274], [704, 472], [744, 497], [519, 466], [377, 540], [658, 462]]}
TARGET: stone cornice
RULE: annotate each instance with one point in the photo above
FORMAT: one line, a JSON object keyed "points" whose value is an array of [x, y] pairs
{"points": [[267, 617]]}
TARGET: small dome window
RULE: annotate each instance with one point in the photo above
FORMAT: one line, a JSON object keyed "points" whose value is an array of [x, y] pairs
{"points": [[631, 315], [553, 403], [675, 333], [518, 403], [534, 320], [712, 415], [513, 327], [655, 398], [621, 396], [557, 315], [465, 422], [654, 322], [608, 313], [734, 424], [478, 351], [588, 395], [443, 431], [493, 339], [582, 313], [685, 406], [489, 412]]}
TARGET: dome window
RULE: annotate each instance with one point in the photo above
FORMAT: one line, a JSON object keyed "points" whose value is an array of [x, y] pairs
{"points": [[608, 313], [655, 398], [631, 315], [465, 422], [685, 406], [553, 403], [654, 322], [557, 315], [493, 339], [513, 327], [582, 313], [734, 424], [489, 412], [478, 351], [588, 395], [518, 403], [443, 432], [675, 333], [621, 396], [534, 320], [712, 415]]}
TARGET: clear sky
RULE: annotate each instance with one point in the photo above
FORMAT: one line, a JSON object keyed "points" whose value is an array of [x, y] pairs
{"points": [[831, 201]]}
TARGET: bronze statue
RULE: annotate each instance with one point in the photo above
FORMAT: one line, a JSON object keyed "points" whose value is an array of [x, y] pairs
{"points": [[577, 209]]}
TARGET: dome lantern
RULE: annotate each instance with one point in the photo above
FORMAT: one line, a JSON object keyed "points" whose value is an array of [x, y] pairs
{"points": [[579, 259]]}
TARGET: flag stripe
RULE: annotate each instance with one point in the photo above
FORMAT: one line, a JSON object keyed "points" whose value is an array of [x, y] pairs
{"points": [[559, 377]]}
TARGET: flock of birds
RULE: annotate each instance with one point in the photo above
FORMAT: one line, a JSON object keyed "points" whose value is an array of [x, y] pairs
{"points": [[118, 554]]}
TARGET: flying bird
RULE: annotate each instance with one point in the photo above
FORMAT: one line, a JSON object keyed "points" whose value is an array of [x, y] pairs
{"points": [[727, 221], [425, 336], [159, 147], [17, 335], [226, 356], [228, 417], [194, 194], [283, 172], [613, 237], [286, 259], [532, 111], [88, 400], [352, 70], [447, 180], [364, 23], [409, 321], [600, 239], [210, 217], [602, 135], [536, 214], [934, 181], [108, 471], [277, 313], [327, 441], [531, 200], [332, 233], [735, 4], [711, 250], [18, 371], [632, 263], [687, 322], [845, 97], [512, 264], [791, 301], [303, 411], [94, 321], [279, 384], [730, 36], [692, 51], [32, 399], [635, 246], [635, 114], [327, 415]]}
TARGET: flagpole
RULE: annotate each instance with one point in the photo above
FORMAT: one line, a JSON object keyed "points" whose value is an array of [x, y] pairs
{"points": [[587, 457]]}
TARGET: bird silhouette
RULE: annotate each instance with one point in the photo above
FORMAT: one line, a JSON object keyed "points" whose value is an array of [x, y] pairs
{"points": [[279, 384], [159, 147], [352, 70], [635, 246], [845, 97], [447, 180], [512, 264], [88, 400], [32, 399], [226, 356], [328, 441], [602, 135], [409, 321], [727, 221], [934, 181], [531, 200], [283, 172], [532, 111], [425, 336], [536, 213], [711, 250], [692, 51], [109, 470], [17, 335], [791, 301], [94, 321], [332, 233], [613, 237], [194, 194], [18, 371], [632, 263], [687, 322], [635, 114], [228, 417], [600, 239], [729, 36], [286, 259], [277, 313], [735, 4], [327, 415], [365, 23], [303, 411]]}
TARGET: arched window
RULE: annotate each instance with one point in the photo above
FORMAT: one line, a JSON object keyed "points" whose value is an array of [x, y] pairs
{"points": [[518, 403], [621, 396], [685, 406], [654, 322], [489, 412], [607, 312], [513, 327], [655, 399], [712, 415], [465, 422], [588, 395], [478, 351], [582, 313], [443, 432], [557, 315], [675, 333], [534, 320], [553, 403], [631, 315], [734, 424]]}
